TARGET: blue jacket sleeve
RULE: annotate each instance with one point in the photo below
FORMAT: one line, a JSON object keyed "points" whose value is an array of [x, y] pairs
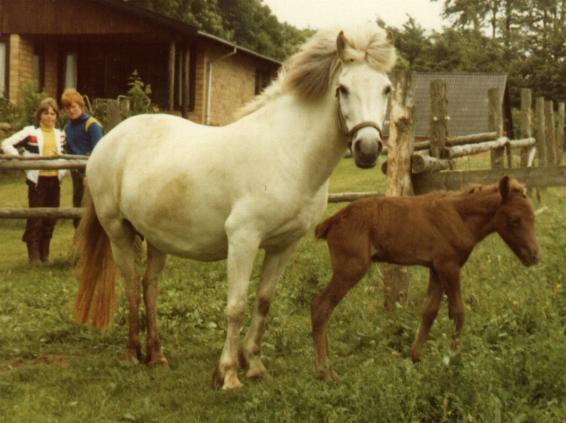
{"points": [[95, 132]]}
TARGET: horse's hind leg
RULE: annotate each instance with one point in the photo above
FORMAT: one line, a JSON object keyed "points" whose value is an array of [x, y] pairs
{"points": [[273, 267], [122, 239], [155, 264], [430, 311], [347, 271]]}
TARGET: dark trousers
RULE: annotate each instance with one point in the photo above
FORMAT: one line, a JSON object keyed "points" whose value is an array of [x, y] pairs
{"points": [[46, 193], [78, 176]]}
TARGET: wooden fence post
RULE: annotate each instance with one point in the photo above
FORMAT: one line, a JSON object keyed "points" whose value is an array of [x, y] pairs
{"points": [[526, 122], [549, 133], [438, 117], [560, 141], [400, 150], [541, 145], [495, 123]]}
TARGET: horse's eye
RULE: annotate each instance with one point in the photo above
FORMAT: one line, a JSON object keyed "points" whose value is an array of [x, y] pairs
{"points": [[342, 90], [387, 90]]}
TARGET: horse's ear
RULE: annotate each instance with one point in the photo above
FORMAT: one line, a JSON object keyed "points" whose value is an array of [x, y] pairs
{"points": [[341, 45], [504, 188], [389, 37]]}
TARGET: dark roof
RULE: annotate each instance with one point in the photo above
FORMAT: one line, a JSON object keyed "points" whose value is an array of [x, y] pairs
{"points": [[467, 101], [176, 25]]}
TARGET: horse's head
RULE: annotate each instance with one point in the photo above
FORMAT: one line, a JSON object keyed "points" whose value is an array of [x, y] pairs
{"points": [[362, 91], [515, 221]]}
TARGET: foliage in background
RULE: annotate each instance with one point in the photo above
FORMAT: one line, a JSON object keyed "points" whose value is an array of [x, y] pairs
{"points": [[31, 97], [139, 94]]}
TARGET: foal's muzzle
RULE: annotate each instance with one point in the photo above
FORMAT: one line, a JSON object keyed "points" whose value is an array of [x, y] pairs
{"points": [[366, 144]]}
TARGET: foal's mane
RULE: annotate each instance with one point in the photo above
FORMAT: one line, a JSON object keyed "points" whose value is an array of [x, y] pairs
{"points": [[309, 73]]}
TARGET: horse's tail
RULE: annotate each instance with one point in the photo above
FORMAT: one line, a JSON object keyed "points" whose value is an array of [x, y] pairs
{"points": [[321, 230], [96, 298]]}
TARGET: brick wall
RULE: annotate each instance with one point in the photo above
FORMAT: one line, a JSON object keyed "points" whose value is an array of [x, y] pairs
{"points": [[21, 62], [50, 70]]}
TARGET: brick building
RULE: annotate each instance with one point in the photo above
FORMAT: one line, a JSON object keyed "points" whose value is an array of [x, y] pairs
{"points": [[95, 45]]}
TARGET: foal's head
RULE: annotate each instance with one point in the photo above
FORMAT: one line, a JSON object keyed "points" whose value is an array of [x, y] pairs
{"points": [[515, 221]]}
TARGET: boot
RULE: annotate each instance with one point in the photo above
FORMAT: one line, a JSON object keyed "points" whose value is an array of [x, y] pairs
{"points": [[44, 249], [33, 252]]}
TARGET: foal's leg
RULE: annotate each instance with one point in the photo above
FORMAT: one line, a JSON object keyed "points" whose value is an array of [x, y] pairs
{"points": [[242, 249], [455, 303], [347, 271], [155, 264], [433, 299], [273, 267]]}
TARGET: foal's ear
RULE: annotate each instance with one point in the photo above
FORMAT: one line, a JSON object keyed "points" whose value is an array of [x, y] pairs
{"points": [[504, 188]]}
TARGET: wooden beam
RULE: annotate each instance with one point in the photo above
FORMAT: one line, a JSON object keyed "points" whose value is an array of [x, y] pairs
{"points": [[42, 164], [186, 80], [422, 162], [533, 177], [30, 158], [49, 212], [551, 153], [171, 77]]}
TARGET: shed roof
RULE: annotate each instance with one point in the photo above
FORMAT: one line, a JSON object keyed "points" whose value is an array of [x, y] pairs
{"points": [[467, 100]]}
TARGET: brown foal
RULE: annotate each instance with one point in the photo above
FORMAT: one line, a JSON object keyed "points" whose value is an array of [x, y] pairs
{"points": [[437, 230]]}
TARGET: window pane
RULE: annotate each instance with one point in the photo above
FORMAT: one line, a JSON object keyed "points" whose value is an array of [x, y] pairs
{"points": [[71, 70]]}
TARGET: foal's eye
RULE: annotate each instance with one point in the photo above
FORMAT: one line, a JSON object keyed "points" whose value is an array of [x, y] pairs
{"points": [[342, 90], [387, 90], [515, 222]]}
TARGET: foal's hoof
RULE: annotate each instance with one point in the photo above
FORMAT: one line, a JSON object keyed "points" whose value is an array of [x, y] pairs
{"points": [[157, 360], [134, 356], [328, 375]]}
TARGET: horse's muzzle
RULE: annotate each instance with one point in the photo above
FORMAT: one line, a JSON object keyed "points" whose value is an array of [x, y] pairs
{"points": [[366, 147]]}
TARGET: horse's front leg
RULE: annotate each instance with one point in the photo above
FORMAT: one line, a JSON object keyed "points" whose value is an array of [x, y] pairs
{"points": [[242, 249], [273, 267], [155, 264]]}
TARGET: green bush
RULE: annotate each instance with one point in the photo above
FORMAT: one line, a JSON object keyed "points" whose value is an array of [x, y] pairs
{"points": [[139, 94], [31, 97]]}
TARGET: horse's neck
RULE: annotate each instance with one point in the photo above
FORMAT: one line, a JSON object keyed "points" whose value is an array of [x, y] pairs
{"points": [[314, 152], [478, 210]]}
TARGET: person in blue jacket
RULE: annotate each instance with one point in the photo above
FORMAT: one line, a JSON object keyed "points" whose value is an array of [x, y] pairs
{"points": [[82, 132]]}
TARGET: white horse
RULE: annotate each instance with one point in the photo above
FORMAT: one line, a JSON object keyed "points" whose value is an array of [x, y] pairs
{"points": [[209, 193]]}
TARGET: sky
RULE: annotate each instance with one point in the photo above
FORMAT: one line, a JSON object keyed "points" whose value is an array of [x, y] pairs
{"points": [[322, 13]]}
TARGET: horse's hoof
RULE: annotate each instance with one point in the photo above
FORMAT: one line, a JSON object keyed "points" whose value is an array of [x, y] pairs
{"points": [[231, 381], [135, 356], [255, 369]]}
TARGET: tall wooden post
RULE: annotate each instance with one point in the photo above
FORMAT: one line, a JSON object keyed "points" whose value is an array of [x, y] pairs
{"points": [[186, 80], [560, 139], [526, 122], [171, 77], [549, 132], [495, 123], [400, 149], [438, 116], [540, 133]]}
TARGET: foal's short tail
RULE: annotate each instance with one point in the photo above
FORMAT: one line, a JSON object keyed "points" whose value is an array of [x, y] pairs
{"points": [[321, 230], [96, 298]]}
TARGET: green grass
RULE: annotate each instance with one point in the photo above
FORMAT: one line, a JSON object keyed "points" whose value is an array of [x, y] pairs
{"points": [[511, 367]]}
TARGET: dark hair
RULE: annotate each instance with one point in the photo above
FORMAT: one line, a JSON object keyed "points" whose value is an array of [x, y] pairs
{"points": [[44, 106]]}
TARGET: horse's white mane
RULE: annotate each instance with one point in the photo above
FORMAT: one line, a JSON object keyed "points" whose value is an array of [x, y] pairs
{"points": [[310, 71]]}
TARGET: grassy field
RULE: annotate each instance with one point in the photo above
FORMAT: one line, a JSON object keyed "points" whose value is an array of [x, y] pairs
{"points": [[510, 369]]}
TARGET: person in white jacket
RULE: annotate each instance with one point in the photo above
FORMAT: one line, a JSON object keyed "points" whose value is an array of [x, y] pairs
{"points": [[41, 140]]}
